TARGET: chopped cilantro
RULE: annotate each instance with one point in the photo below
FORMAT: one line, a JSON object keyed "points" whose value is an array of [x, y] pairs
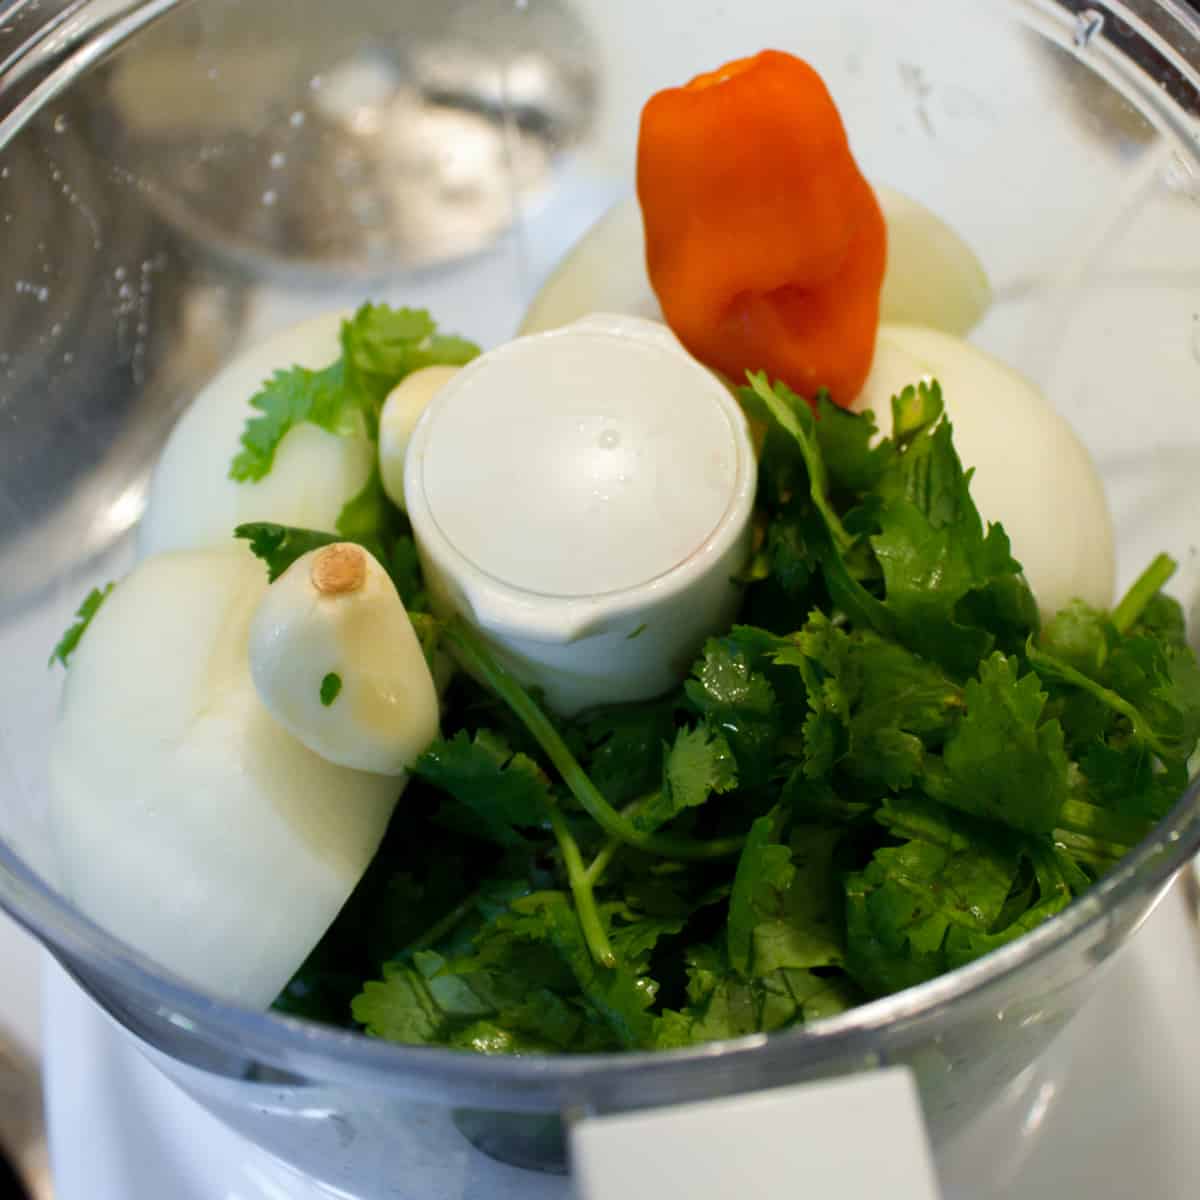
{"points": [[83, 618], [331, 687]]}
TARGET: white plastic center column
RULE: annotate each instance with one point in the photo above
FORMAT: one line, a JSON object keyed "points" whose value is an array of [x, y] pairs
{"points": [[584, 498]]}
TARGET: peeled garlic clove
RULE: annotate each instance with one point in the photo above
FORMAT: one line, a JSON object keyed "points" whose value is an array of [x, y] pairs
{"points": [[187, 821], [336, 661], [401, 412]]}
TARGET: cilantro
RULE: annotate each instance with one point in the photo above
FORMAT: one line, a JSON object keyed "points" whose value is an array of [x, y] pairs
{"points": [[764, 874], [739, 703], [83, 618], [887, 770], [853, 457], [504, 792], [783, 909], [331, 686], [280, 545], [1003, 761], [286, 400], [697, 765], [617, 995], [624, 746], [934, 552], [901, 908], [380, 346], [874, 703], [369, 520], [792, 415]]}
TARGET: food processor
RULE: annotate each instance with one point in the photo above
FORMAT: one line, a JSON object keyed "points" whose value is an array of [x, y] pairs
{"points": [[181, 179]]}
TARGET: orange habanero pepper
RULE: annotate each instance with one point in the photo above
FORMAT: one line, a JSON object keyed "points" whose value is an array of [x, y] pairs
{"points": [[765, 244]]}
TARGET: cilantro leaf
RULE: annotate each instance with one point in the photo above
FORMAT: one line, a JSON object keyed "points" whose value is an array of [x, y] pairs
{"points": [[83, 618], [504, 792], [790, 414], [853, 463], [1080, 636], [331, 686], [1144, 674], [623, 747], [1004, 762], [934, 552], [616, 994], [805, 929], [280, 545], [1129, 779], [286, 400], [697, 765], [380, 346], [874, 704], [901, 907], [739, 704], [363, 521], [417, 1004], [1053, 895], [723, 1004], [764, 874], [794, 478]]}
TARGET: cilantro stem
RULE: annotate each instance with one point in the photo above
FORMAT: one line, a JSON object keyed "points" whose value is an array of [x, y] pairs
{"points": [[1144, 589], [581, 892], [475, 656], [1084, 849], [603, 857], [1101, 824], [1048, 666]]}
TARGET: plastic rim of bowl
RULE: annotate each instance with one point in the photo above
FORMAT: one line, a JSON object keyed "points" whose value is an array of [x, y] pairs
{"points": [[1163, 80]]}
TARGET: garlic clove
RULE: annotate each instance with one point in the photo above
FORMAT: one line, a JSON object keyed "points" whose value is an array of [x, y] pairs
{"points": [[337, 662], [401, 412]]}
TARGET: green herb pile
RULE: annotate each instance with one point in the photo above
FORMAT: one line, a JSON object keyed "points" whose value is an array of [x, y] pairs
{"points": [[885, 770]]}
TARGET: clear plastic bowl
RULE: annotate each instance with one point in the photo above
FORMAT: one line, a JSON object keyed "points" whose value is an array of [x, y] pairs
{"points": [[176, 179]]}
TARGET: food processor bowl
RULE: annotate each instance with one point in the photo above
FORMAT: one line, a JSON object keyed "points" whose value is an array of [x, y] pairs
{"points": [[177, 180]]}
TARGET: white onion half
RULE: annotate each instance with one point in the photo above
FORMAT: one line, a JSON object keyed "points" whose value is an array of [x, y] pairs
{"points": [[188, 821]]}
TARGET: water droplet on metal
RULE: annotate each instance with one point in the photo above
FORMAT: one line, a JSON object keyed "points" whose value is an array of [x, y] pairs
{"points": [[278, 160], [61, 124], [1088, 25], [610, 439], [269, 197], [119, 273], [296, 119]]}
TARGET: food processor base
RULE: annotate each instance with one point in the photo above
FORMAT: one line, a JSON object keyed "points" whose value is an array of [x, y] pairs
{"points": [[1107, 1113]]}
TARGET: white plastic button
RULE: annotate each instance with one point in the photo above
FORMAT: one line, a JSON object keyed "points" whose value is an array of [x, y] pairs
{"points": [[584, 497]]}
